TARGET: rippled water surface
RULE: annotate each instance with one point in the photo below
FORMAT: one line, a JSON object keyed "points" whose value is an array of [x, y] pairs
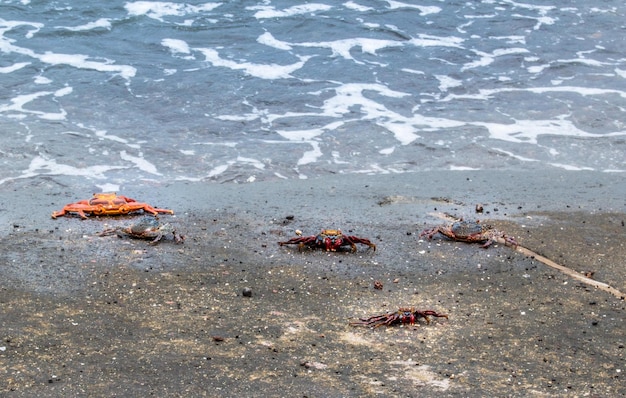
{"points": [[113, 93]]}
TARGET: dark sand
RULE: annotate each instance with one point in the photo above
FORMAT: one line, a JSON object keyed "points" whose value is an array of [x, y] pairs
{"points": [[84, 315]]}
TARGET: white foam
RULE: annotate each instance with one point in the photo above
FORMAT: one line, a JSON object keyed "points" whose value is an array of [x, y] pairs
{"points": [[19, 102], [446, 82], [424, 10], [41, 165], [488, 58], [254, 162], [176, 46], [585, 91], [424, 40], [512, 40], [75, 60], [416, 72], [351, 96], [102, 134], [485, 94], [50, 166], [140, 163], [63, 91], [82, 61], [337, 158], [104, 23], [108, 187], [268, 39], [238, 118], [344, 47], [514, 156], [42, 80], [5, 26], [582, 61], [357, 7], [341, 47], [226, 144], [527, 131], [217, 171], [312, 155], [300, 135], [307, 135], [374, 169], [271, 12], [570, 167], [262, 71], [370, 106], [160, 9], [541, 9], [14, 67], [537, 68]]}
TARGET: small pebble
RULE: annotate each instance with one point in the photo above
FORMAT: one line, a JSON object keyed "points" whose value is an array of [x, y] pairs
{"points": [[247, 292]]}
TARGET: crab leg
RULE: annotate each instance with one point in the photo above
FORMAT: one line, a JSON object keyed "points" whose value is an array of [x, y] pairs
{"points": [[376, 321], [300, 241], [355, 239]]}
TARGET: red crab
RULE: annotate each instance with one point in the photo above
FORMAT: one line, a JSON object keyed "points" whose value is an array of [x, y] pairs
{"points": [[108, 204], [402, 316], [329, 239], [470, 232], [147, 228]]}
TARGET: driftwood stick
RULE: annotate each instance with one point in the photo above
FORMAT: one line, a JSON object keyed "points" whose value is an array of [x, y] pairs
{"points": [[568, 271]]}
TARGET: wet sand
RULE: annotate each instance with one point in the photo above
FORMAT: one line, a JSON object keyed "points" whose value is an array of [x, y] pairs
{"points": [[85, 315]]}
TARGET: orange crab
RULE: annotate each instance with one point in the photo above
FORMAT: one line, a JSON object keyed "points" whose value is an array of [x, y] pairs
{"points": [[108, 204]]}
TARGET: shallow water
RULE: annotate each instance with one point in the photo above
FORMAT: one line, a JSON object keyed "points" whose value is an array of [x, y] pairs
{"points": [[153, 92]]}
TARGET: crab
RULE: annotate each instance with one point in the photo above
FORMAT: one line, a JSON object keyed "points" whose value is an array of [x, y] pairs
{"points": [[147, 228], [402, 316], [108, 204], [471, 232], [329, 239]]}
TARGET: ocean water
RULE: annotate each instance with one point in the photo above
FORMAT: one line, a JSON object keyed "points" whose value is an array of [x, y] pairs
{"points": [[118, 93]]}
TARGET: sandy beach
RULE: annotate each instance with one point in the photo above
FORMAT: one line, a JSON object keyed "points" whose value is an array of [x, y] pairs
{"points": [[85, 315]]}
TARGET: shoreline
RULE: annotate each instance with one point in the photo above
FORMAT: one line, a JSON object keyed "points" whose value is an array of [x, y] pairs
{"points": [[88, 315]]}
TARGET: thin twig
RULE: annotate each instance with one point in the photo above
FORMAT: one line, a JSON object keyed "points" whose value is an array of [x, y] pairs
{"points": [[568, 271]]}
